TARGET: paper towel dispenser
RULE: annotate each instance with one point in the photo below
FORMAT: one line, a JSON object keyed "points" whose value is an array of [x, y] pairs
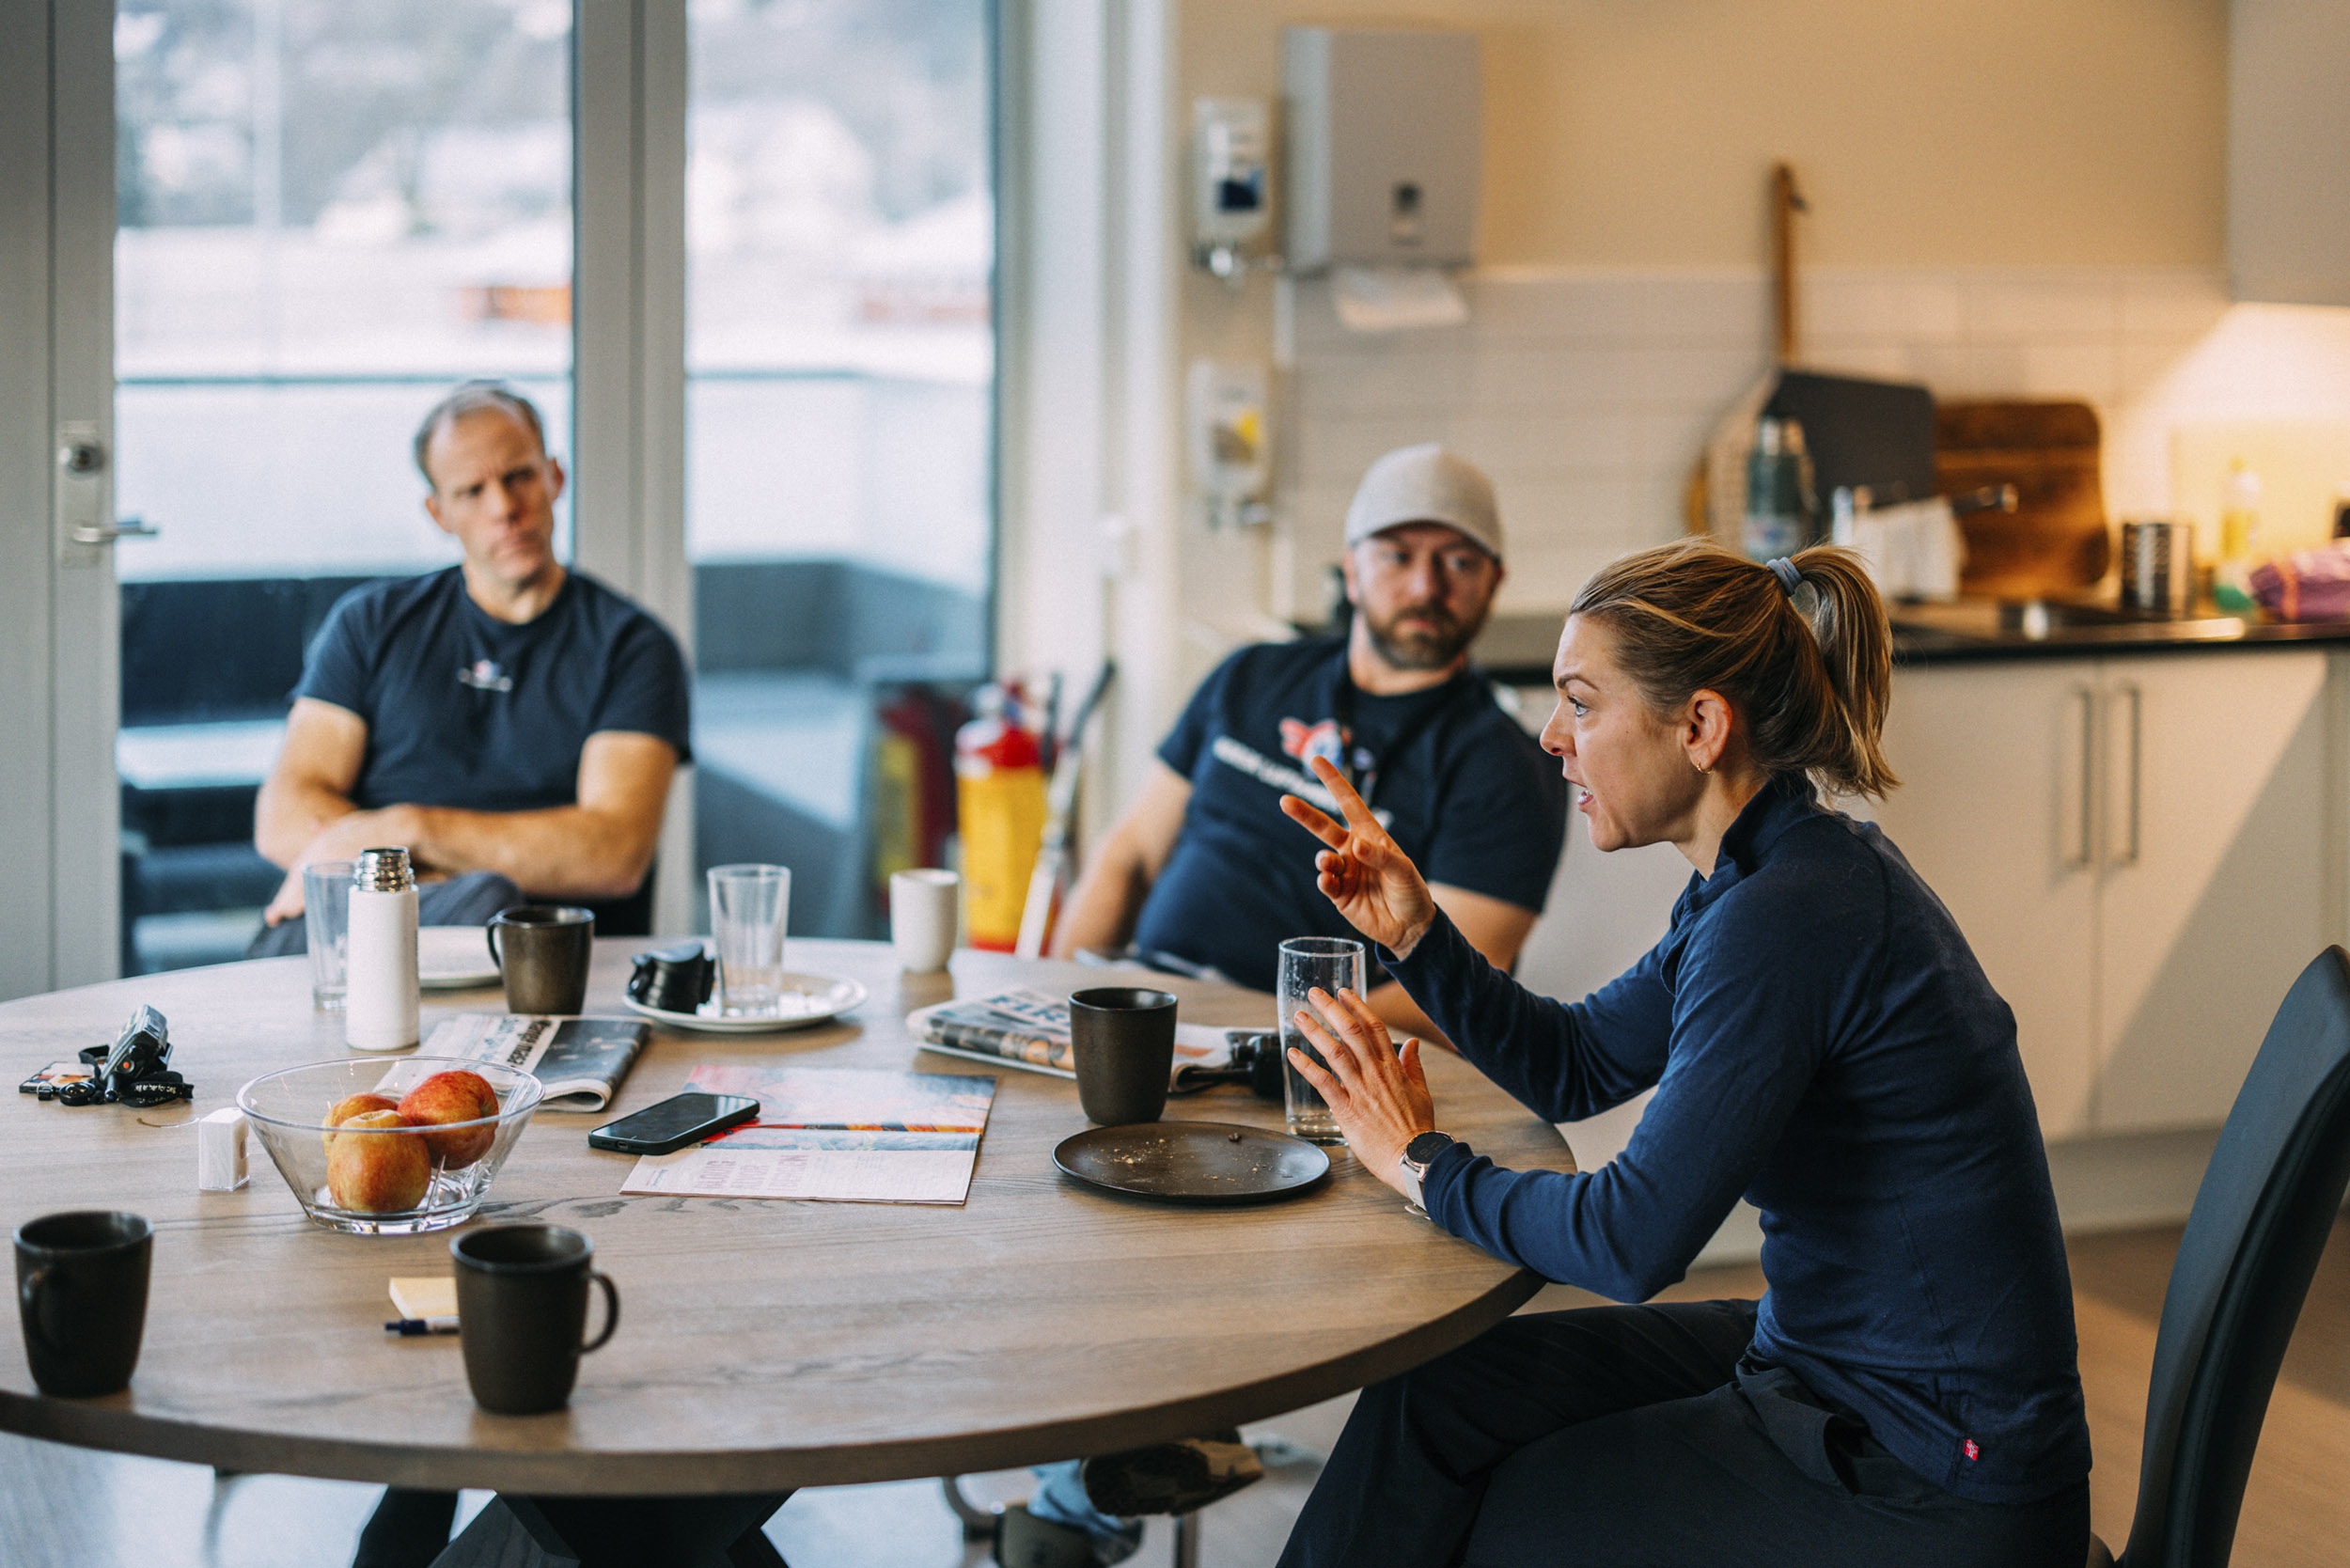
{"points": [[1383, 134]]}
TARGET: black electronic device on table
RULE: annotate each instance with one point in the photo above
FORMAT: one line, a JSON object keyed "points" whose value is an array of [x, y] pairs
{"points": [[679, 1120], [675, 978], [135, 1069]]}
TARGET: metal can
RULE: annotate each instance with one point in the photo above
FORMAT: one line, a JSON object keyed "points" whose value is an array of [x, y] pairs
{"points": [[2158, 568]]}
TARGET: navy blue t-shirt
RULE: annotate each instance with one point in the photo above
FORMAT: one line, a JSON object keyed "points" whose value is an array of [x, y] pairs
{"points": [[1467, 794], [1822, 1043], [465, 711]]}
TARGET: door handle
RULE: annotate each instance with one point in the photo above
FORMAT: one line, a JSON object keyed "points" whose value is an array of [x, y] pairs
{"points": [[127, 527], [2134, 704], [2084, 851]]}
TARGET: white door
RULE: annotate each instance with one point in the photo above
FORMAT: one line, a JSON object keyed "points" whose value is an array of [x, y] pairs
{"points": [[2212, 844], [1993, 812], [59, 848]]}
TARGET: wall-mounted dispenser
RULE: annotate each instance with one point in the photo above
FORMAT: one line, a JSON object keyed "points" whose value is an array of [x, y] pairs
{"points": [[1232, 188], [1230, 444], [1383, 160]]}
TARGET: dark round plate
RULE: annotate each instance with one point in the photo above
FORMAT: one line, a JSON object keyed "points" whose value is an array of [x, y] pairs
{"points": [[1194, 1162]]}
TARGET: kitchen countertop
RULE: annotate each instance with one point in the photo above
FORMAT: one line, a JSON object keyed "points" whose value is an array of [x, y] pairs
{"points": [[1516, 650]]}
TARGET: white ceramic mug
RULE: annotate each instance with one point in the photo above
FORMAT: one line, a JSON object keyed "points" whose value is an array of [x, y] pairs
{"points": [[923, 906]]}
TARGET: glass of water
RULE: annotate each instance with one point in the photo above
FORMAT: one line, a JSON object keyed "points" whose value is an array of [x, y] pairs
{"points": [[326, 919], [1331, 963], [749, 906]]}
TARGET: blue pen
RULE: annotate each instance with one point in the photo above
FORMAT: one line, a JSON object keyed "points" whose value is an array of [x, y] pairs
{"points": [[410, 1329]]}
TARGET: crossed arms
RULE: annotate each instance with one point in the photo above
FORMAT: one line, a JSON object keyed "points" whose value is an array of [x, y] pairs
{"points": [[599, 847]]}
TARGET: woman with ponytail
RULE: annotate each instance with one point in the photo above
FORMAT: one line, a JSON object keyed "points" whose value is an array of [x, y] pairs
{"points": [[1821, 1043]]}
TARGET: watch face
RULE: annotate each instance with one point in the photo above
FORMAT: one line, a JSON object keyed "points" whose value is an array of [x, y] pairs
{"points": [[1426, 1147]]}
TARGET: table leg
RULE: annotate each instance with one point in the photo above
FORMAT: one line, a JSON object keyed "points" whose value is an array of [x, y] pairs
{"points": [[618, 1533]]}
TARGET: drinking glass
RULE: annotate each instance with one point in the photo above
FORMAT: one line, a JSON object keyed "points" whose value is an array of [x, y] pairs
{"points": [[749, 906], [1331, 963], [326, 916]]}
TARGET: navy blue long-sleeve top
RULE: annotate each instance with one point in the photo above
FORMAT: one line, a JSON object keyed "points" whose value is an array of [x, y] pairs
{"points": [[1822, 1043]]}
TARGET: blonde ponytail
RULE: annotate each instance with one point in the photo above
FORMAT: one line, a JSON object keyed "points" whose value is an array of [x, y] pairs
{"points": [[1808, 665]]}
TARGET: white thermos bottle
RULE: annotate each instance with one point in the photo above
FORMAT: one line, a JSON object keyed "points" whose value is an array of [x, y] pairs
{"points": [[380, 975]]}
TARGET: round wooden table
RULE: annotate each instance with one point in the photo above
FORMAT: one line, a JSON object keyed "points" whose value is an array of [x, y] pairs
{"points": [[762, 1346]]}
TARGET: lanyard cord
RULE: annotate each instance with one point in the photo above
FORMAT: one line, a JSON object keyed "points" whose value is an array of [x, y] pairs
{"points": [[1360, 764]]}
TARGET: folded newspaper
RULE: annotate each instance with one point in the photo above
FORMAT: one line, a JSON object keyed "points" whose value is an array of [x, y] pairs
{"points": [[1029, 1031], [580, 1061]]}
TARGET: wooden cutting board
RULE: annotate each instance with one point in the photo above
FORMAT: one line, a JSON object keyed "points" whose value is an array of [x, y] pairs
{"points": [[2055, 544]]}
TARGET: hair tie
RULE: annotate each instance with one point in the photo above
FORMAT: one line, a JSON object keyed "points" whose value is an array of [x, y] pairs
{"points": [[1789, 577]]}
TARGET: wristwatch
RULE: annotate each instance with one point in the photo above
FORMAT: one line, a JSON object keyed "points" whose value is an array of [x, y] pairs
{"points": [[1418, 1155]]}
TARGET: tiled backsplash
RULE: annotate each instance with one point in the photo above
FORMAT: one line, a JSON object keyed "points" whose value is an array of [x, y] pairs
{"points": [[1589, 395]]}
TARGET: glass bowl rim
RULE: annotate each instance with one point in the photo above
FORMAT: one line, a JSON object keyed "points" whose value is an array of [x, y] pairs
{"points": [[529, 1084]]}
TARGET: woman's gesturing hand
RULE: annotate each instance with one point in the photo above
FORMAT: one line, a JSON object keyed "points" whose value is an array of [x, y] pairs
{"points": [[1372, 882], [1378, 1094]]}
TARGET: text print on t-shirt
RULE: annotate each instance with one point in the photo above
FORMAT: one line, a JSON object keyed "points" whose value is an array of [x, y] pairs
{"points": [[1249, 760], [483, 675]]}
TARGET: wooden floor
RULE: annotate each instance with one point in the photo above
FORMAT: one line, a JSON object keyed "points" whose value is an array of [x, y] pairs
{"points": [[63, 1508]]}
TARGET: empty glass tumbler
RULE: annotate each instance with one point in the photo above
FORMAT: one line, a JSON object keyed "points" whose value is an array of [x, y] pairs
{"points": [[326, 914], [749, 907], [1331, 963]]}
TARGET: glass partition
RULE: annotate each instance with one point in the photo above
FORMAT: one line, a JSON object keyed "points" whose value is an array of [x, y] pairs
{"points": [[328, 213], [840, 240]]}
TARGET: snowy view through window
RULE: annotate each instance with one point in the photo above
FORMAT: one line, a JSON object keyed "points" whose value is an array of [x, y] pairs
{"points": [[331, 210]]}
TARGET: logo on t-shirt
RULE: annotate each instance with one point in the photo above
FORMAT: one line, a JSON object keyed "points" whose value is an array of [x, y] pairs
{"points": [[483, 675], [1307, 740]]}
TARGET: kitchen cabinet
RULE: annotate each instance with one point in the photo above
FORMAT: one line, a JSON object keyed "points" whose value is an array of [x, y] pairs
{"points": [[2143, 852], [2289, 151]]}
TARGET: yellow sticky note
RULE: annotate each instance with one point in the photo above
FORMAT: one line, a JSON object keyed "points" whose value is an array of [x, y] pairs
{"points": [[427, 1297]]}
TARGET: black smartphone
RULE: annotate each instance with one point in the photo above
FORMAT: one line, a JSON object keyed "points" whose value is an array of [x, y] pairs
{"points": [[679, 1120]]}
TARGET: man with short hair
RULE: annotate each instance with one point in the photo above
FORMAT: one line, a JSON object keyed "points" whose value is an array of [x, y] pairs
{"points": [[514, 723], [1204, 868], [1205, 872], [504, 716]]}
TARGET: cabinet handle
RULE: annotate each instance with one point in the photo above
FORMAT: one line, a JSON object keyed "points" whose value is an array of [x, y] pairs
{"points": [[2136, 700], [2081, 857]]}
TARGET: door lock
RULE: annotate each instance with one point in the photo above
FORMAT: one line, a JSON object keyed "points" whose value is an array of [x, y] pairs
{"points": [[83, 497]]}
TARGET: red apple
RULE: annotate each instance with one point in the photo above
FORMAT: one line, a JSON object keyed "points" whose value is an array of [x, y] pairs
{"points": [[453, 1096], [356, 1105], [373, 1167]]}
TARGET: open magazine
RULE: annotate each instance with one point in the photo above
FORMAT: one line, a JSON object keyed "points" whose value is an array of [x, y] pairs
{"points": [[580, 1061], [836, 1135], [1029, 1031]]}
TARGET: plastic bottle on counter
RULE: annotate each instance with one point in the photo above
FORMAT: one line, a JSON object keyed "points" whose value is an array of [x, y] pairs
{"points": [[2239, 534], [2240, 512], [1781, 514], [380, 973]]}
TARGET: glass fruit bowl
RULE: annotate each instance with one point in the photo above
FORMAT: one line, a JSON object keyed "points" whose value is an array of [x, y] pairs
{"points": [[380, 1148]]}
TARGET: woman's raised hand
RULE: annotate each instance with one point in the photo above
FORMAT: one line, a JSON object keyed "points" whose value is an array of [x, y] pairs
{"points": [[1372, 880]]}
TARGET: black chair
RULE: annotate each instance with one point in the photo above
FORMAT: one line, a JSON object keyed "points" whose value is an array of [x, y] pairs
{"points": [[2261, 1218]]}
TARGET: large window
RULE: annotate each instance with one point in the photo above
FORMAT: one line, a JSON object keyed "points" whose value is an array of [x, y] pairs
{"points": [[839, 241], [327, 214], [330, 212]]}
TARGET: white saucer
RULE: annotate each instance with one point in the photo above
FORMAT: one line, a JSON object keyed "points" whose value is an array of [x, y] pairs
{"points": [[807, 999], [454, 958]]}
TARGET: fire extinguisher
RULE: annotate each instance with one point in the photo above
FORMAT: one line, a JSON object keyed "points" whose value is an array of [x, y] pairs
{"points": [[999, 795]]}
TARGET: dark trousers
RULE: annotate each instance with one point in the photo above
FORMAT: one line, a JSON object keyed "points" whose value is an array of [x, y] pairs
{"points": [[1624, 1435]]}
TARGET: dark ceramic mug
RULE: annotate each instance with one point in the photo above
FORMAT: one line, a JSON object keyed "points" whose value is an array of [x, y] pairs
{"points": [[543, 950], [522, 1313], [1124, 1038], [80, 1291]]}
